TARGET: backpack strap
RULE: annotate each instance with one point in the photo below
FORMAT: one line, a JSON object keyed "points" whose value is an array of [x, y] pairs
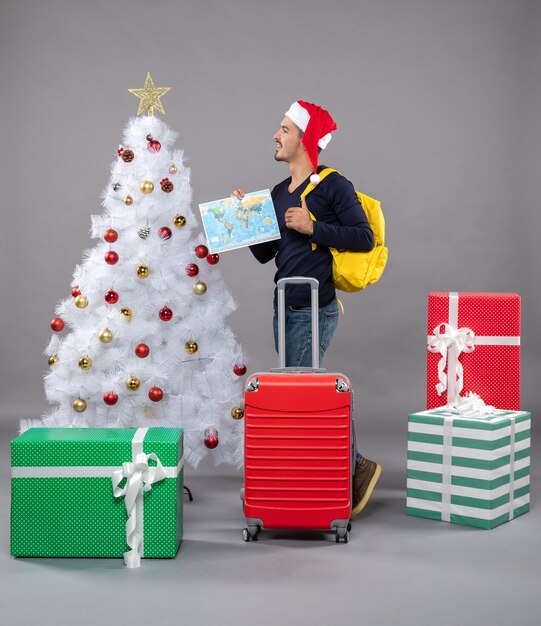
{"points": [[310, 187]]}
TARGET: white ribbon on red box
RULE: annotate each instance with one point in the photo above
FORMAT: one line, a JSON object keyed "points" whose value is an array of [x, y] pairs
{"points": [[450, 342]]}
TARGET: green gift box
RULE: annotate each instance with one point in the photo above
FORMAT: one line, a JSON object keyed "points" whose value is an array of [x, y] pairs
{"points": [[469, 470], [95, 492]]}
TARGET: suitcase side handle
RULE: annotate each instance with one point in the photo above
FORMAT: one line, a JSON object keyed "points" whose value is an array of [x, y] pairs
{"points": [[314, 287]]}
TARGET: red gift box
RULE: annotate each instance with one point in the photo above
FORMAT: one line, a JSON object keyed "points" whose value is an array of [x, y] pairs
{"points": [[474, 345]]}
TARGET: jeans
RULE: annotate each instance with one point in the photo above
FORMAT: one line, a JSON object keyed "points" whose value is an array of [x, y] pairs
{"points": [[299, 332], [299, 337]]}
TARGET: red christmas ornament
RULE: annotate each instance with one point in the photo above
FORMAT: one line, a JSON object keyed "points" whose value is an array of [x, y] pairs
{"points": [[212, 259], [110, 235], [192, 269], [111, 296], [211, 438], [57, 324], [155, 394], [239, 369], [142, 350], [110, 398], [201, 251], [165, 314], [164, 233], [111, 257], [153, 145], [75, 291]]}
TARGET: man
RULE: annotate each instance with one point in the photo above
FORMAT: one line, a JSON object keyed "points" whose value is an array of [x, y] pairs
{"points": [[339, 222]]}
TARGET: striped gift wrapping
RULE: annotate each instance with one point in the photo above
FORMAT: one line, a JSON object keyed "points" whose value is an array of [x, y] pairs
{"points": [[468, 470]]}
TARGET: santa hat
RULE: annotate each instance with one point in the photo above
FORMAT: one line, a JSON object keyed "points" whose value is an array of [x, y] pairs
{"points": [[317, 126]]}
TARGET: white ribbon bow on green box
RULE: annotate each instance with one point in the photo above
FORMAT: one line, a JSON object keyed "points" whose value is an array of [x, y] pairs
{"points": [[140, 476], [469, 469], [46, 454]]}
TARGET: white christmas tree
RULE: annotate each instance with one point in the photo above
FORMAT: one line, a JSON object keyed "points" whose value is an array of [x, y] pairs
{"points": [[142, 341]]}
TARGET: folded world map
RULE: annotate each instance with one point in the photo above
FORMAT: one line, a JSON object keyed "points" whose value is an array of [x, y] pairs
{"points": [[230, 223]]}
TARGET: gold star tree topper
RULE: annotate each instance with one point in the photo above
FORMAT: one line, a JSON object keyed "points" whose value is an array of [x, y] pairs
{"points": [[149, 96]]}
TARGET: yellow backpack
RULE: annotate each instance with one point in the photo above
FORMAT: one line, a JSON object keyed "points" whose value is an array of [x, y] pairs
{"points": [[353, 271]]}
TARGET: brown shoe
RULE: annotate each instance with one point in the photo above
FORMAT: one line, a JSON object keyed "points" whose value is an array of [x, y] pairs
{"points": [[365, 478]]}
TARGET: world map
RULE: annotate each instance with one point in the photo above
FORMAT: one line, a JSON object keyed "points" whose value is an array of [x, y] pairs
{"points": [[230, 223]]}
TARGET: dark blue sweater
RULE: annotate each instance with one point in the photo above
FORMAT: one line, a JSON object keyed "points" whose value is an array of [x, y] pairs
{"points": [[341, 223]]}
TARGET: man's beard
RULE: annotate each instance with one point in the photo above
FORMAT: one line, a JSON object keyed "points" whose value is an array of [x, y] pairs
{"points": [[277, 157]]}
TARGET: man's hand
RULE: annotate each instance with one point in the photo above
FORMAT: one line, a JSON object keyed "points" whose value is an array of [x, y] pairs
{"points": [[297, 218], [238, 193]]}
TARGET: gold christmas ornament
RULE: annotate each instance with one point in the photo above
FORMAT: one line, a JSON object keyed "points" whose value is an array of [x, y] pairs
{"points": [[173, 169], [237, 413], [143, 271], [53, 359], [199, 288], [179, 221], [146, 186], [79, 405], [149, 96], [191, 346], [133, 383], [81, 302], [85, 362], [128, 200], [105, 335], [126, 312]]}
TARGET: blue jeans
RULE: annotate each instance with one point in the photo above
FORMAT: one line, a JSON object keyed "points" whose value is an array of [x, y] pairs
{"points": [[299, 337], [299, 332]]}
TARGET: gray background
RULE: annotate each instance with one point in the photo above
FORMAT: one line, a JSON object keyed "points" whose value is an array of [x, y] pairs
{"points": [[437, 110]]}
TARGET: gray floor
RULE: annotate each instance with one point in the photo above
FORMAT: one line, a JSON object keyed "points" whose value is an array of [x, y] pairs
{"points": [[395, 570]]}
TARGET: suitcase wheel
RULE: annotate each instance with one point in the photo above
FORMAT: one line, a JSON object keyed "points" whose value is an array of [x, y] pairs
{"points": [[250, 533], [341, 535]]}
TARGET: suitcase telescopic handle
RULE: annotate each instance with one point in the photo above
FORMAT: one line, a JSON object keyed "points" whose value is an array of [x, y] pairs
{"points": [[314, 286]]}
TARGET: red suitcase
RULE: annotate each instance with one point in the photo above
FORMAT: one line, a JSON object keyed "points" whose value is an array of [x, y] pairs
{"points": [[298, 442]]}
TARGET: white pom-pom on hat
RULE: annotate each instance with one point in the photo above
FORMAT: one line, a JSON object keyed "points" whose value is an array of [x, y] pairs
{"points": [[315, 179]]}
